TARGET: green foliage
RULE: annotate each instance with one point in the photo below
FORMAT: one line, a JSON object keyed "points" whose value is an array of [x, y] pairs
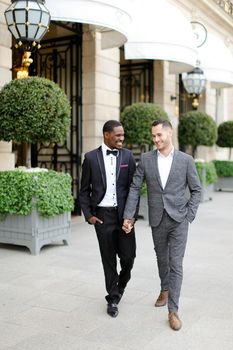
{"points": [[225, 134], [211, 174], [34, 110], [196, 128], [224, 168], [48, 191], [143, 190], [137, 120]]}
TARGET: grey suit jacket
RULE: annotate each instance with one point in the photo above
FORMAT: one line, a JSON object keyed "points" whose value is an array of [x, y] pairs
{"points": [[173, 198]]}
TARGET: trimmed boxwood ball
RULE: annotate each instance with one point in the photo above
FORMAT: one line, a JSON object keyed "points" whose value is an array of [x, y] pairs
{"points": [[34, 110], [137, 119], [225, 135], [196, 128]]}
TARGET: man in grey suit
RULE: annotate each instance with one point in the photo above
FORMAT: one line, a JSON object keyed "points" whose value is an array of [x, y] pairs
{"points": [[167, 172]]}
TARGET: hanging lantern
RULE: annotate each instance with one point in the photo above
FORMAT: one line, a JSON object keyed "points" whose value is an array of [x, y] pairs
{"points": [[194, 83], [28, 21]]}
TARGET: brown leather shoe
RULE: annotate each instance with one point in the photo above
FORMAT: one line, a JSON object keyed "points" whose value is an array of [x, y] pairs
{"points": [[162, 299], [174, 321]]}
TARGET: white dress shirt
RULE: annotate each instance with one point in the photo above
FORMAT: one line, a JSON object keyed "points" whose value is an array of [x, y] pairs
{"points": [[164, 166], [110, 197]]}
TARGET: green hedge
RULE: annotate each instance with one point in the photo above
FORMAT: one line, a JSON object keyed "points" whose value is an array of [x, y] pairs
{"points": [[224, 168], [211, 174], [48, 191]]}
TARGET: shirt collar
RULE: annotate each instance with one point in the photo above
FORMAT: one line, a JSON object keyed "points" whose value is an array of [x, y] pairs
{"points": [[105, 147], [171, 154]]}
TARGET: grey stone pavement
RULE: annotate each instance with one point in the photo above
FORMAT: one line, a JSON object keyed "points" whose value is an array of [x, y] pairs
{"points": [[56, 300]]}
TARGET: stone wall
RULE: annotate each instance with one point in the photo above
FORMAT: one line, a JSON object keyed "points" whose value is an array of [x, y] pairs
{"points": [[101, 88]]}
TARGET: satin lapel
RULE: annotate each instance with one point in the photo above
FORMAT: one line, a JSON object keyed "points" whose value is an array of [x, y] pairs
{"points": [[156, 168], [101, 165], [173, 168], [118, 162]]}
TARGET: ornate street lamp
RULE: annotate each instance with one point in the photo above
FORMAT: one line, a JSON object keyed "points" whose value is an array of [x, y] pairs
{"points": [[28, 21], [194, 83]]}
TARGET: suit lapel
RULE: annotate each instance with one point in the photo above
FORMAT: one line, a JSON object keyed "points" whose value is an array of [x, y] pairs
{"points": [[173, 168], [118, 162], [101, 165], [156, 168]]}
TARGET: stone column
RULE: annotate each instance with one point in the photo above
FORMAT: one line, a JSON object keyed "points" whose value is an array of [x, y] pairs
{"points": [[165, 86], [101, 88], [6, 156]]}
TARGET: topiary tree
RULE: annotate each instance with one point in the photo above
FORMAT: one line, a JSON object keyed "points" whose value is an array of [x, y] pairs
{"points": [[225, 135], [137, 119], [33, 110], [196, 128]]}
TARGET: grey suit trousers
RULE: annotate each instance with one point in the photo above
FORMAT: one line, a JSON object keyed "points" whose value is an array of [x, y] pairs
{"points": [[170, 238]]}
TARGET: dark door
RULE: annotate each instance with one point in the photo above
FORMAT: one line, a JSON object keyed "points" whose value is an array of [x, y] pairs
{"points": [[60, 60]]}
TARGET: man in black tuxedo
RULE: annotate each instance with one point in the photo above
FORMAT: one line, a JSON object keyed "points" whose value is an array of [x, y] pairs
{"points": [[106, 176]]}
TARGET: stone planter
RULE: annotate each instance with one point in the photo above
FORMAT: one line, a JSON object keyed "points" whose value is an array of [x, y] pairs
{"points": [[34, 231], [224, 184], [143, 208], [207, 193]]}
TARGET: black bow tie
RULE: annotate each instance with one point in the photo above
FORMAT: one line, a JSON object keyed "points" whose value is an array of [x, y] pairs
{"points": [[114, 152]]}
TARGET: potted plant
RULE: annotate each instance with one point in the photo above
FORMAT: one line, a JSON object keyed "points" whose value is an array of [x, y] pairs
{"points": [[225, 136], [34, 110], [208, 177], [35, 206], [224, 169], [196, 128], [137, 120]]}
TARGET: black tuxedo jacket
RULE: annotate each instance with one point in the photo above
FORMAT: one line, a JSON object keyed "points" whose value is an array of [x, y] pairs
{"points": [[93, 180]]}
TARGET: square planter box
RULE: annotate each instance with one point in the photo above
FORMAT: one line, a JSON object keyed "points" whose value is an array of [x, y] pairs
{"points": [[224, 184], [34, 231]]}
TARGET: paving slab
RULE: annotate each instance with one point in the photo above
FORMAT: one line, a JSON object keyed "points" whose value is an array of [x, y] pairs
{"points": [[56, 300]]}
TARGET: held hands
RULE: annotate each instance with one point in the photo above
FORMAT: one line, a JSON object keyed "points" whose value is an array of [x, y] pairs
{"points": [[128, 225], [94, 220]]}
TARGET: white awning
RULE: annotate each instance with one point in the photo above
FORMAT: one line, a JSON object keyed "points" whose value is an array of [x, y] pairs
{"points": [[216, 60], [159, 31], [110, 16]]}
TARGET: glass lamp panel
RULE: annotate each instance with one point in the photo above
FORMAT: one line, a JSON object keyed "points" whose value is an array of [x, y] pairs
{"points": [[34, 16], [20, 16], [14, 31], [34, 5], [22, 30], [32, 29], [40, 33], [9, 17], [20, 4], [45, 18]]}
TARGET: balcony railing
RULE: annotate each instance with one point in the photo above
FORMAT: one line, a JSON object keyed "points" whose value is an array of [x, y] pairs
{"points": [[226, 5]]}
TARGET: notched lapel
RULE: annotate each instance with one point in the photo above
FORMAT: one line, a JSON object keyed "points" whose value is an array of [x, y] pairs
{"points": [[173, 168], [156, 168], [101, 165]]}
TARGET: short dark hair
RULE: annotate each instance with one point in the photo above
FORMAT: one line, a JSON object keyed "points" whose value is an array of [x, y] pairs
{"points": [[110, 125], [164, 122]]}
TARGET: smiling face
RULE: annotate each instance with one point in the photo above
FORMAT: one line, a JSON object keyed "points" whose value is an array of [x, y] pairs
{"points": [[114, 138], [162, 138]]}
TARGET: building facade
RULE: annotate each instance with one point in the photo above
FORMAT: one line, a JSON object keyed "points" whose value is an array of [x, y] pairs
{"points": [[97, 58]]}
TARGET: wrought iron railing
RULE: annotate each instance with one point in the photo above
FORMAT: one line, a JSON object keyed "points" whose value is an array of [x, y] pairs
{"points": [[226, 5]]}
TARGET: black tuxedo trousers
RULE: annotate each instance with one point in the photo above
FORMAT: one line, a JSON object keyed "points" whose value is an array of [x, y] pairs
{"points": [[113, 242]]}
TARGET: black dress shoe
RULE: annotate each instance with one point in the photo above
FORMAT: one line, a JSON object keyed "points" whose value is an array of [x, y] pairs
{"points": [[112, 309]]}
